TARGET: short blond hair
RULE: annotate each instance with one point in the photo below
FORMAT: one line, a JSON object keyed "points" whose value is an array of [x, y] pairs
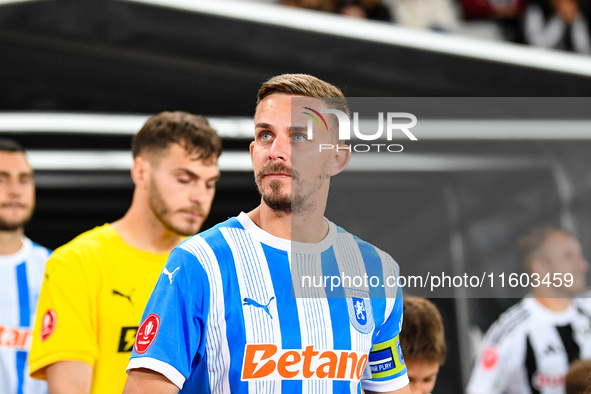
{"points": [[303, 85], [308, 86], [531, 243]]}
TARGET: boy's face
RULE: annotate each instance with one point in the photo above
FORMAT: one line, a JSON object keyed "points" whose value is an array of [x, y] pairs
{"points": [[422, 375]]}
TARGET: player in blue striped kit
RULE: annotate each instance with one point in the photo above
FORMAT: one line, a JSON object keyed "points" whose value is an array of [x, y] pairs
{"points": [[223, 319], [22, 264]]}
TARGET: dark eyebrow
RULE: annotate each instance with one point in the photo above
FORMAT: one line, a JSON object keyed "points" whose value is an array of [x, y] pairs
{"points": [[192, 174], [292, 128], [20, 174], [263, 126]]}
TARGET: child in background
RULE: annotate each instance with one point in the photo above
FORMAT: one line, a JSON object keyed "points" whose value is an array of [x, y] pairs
{"points": [[423, 344], [578, 378]]}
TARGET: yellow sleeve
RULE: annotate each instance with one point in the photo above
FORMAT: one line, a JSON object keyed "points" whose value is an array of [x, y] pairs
{"points": [[65, 325]]}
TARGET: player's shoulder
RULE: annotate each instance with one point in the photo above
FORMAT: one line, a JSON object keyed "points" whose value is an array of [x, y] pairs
{"points": [[368, 250], [40, 250], [512, 323], [35, 251], [213, 236], [37, 255], [582, 304], [91, 241], [208, 247]]}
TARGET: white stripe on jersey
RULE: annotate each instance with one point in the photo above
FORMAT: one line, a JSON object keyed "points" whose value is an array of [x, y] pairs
{"points": [[350, 262], [313, 315], [218, 360], [16, 319], [255, 284], [390, 270]]}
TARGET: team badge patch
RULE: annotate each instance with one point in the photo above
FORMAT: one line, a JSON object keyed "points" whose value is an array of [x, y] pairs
{"points": [[360, 314], [147, 333], [48, 325], [490, 357]]}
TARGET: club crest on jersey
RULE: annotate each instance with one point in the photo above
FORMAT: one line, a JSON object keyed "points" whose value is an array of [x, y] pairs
{"points": [[146, 334], [360, 314], [48, 324]]}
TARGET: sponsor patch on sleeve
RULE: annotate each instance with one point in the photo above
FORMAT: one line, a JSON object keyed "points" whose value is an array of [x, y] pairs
{"points": [[146, 334], [386, 360]]}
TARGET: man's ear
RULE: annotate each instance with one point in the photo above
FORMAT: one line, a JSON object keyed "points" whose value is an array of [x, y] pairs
{"points": [[539, 265], [140, 171], [340, 160], [251, 147]]}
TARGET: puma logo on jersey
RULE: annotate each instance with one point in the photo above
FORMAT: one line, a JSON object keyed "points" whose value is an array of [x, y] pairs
{"points": [[251, 302], [127, 297], [169, 274]]}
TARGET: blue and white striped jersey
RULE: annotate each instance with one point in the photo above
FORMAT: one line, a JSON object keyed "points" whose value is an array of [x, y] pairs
{"points": [[21, 275], [223, 318]]}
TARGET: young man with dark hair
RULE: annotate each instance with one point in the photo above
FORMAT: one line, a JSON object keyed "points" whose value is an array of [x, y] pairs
{"points": [[22, 264], [227, 321], [97, 285], [423, 344], [529, 348]]}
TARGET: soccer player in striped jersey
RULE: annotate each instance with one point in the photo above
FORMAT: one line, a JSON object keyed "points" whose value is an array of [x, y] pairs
{"points": [[223, 319], [22, 264], [529, 348]]}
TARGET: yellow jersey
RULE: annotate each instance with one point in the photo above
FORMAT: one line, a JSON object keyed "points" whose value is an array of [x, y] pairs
{"points": [[92, 299]]}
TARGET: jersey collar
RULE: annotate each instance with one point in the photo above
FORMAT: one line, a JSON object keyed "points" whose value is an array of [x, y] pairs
{"points": [[285, 244]]}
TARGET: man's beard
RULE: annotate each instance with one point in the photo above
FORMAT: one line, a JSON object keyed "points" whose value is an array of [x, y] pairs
{"points": [[160, 209], [278, 202], [8, 226]]}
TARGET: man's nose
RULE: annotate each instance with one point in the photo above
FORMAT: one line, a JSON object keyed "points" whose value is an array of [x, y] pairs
{"points": [[14, 188], [199, 193], [281, 148]]}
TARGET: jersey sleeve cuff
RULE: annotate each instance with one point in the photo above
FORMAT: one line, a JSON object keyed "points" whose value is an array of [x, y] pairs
{"points": [[169, 372], [385, 386]]}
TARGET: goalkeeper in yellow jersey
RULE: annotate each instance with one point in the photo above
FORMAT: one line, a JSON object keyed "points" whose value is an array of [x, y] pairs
{"points": [[96, 287]]}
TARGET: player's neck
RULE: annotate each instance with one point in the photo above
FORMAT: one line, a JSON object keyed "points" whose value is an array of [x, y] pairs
{"points": [[10, 241], [555, 304], [311, 228], [144, 231]]}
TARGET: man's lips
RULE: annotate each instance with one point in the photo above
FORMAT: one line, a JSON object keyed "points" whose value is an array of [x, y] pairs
{"points": [[278, 175], [192, 214], [13, 205]]}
